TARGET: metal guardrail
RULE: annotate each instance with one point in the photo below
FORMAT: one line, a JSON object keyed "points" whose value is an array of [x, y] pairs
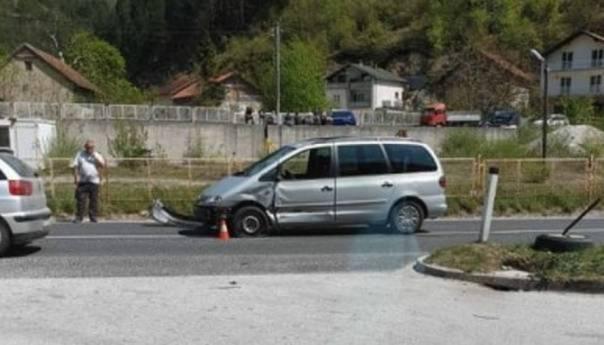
{"points": [[97, 111]]}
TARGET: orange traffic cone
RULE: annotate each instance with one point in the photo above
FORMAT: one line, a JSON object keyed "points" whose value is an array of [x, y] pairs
{"points": [[223, 233]]}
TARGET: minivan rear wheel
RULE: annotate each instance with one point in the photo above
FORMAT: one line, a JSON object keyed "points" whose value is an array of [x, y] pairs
{"points": [[406, 217], [250, 221], [5, 239]]}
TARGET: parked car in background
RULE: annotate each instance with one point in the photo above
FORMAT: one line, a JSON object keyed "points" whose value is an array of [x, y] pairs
{"points": [[343, 118], [23, 210], [503, 118], [331, 182], [554, 120]]}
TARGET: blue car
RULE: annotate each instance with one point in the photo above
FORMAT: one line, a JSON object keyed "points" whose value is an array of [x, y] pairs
{"points": [[343, 118]]}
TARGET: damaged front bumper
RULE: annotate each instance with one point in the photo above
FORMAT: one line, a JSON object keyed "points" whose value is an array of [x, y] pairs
{"points": [[163, 215]]}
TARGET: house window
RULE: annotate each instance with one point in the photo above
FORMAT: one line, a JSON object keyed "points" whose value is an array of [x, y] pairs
{"points": [[565, 83], [567, 60], [597, 55], [396, 95], [28, 65], [358, 97], [341, 78], [336, 99], [595, 83]]}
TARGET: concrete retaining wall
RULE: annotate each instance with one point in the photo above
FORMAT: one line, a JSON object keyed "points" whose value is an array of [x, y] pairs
{"points": [[219, 139]]}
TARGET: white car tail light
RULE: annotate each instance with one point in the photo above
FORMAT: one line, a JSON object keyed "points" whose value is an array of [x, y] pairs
{"points": [[20, 188]]}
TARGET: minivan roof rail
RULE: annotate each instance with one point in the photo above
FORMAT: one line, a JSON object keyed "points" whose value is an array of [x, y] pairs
{"points": [[354, 139]]}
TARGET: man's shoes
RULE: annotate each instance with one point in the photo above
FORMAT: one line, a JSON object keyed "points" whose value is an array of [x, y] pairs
{"points": [[77, 221], [93, 220]]}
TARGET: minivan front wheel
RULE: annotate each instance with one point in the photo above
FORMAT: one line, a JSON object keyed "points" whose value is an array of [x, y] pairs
{"points": [[406, 217], [250, 221]]}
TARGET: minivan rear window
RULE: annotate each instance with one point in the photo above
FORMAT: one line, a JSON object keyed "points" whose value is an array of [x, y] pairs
{"points": [[409, 159], [22, 169], [359, 160]]}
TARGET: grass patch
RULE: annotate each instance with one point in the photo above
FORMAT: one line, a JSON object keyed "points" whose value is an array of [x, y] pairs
{"points": [[546, 203], [587, 265], [126, 198]]}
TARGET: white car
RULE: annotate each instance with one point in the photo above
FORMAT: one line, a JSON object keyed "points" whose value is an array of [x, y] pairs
{"points": [[554, 120], [24, 215]]}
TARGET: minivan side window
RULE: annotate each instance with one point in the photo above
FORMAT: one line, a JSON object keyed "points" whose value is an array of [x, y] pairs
{"points": [[409, 159], [361, 160], [308, 165]]}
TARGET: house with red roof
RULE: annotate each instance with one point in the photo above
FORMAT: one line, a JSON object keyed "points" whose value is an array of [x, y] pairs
{"points": [[186, 89], [32, 75]]}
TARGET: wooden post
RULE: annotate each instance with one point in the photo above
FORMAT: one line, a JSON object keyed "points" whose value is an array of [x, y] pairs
{"points": [[190, 173], [591, 168], [518, 176], [230, 165], [52, 179], [149, 181], [107, 187]]}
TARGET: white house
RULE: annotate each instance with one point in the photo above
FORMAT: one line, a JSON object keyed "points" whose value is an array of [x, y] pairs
{"points": [[359, 87], [576, 66]]}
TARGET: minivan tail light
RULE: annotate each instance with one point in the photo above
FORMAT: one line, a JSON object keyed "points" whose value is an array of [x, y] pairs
{"points": [[20, 188], [443, 181]]}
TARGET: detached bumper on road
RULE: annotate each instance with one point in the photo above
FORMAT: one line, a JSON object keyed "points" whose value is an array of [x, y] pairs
{"points": [[164, 215]]}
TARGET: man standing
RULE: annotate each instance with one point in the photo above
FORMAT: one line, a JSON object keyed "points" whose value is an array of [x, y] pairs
{"points": [[87, 179]]}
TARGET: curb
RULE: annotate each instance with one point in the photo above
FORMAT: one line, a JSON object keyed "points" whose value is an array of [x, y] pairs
{"points": [[507, 280]]}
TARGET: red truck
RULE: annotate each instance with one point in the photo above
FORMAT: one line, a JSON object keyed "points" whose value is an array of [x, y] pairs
{"points": [[436, 115]]}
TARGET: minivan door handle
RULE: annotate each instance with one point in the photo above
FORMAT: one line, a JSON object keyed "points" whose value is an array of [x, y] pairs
{"points": [[327, 189], [387, 184]]}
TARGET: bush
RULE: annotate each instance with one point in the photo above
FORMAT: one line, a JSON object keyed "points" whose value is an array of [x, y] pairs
{"points": [[579, 110], [130, 141], [63, 145]]}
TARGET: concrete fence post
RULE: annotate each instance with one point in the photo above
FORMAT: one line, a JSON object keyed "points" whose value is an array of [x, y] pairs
{"points": [[489, 203]]}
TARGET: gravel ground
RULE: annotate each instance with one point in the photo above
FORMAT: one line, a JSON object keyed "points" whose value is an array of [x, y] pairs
{"points": [[400, 307]]}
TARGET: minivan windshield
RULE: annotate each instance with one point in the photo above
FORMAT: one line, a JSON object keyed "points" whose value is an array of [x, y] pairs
{"points": [[266, 161]]}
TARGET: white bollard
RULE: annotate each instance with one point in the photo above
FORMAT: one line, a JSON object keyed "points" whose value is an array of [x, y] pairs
{"points": [[489, 203]]}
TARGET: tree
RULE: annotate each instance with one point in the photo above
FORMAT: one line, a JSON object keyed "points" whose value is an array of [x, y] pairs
{"points": [[302, 79], [104, 66]]}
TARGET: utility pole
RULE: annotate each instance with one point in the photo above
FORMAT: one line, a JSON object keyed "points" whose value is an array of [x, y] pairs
{"points": [[544, 81], [278, 80]]}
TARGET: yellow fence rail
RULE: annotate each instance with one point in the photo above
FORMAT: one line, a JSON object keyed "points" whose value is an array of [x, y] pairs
{"points": [[144, 179]]}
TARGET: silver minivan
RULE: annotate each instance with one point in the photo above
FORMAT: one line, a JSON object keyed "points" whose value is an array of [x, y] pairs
{"points": [[331, 182], [24, 216]]}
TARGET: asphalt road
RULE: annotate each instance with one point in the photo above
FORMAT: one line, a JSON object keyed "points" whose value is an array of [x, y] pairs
{"points": [[147, 249]]}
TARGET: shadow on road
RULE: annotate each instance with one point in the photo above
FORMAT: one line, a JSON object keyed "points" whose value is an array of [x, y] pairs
{"points": [[21, 251], [199, 232], [302, 232]]}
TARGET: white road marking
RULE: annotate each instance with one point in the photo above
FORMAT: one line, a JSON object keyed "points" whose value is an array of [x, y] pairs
{"points": [[507, 232], [427, 234], [114, 237]]}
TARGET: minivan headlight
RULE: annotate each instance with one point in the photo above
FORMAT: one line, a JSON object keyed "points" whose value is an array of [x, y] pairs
{"points": [[212, 200]]}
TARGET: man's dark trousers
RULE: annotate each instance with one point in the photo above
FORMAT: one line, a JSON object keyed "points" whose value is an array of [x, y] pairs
{"points": [[84, 191]]}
